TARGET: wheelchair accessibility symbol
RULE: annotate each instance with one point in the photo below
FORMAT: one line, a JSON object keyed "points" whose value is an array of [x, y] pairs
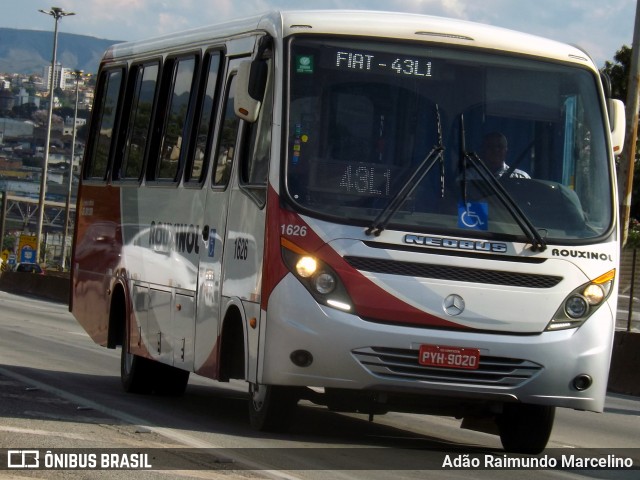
{"points": [[473, 215]]}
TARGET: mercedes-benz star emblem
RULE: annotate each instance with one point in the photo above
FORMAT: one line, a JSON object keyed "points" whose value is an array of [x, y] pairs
{"points": [[453, 305]]}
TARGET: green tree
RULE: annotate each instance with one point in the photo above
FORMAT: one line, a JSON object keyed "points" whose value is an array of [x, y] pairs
{"points": [[8, 242], [618, 72]]}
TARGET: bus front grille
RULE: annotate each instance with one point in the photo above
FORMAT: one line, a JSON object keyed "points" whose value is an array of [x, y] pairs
{"points": [[402, 364], [454, 273]]}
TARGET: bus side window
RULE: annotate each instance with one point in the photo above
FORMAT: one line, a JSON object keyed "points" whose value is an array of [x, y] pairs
{"points": [[109, 92], [228, 137], [176, 118], [205, 118], [145, 78], [254, 168]]}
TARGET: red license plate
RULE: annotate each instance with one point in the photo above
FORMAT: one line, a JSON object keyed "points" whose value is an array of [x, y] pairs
{"points": [[449, 357]]}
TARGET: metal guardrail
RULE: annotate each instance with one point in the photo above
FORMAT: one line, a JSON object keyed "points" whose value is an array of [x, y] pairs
{"points": [[628, 315]]}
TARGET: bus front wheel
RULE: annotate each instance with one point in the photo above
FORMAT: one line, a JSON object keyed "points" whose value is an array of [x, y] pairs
{"points": [[525, 428], [135, 371], [271, 407]]}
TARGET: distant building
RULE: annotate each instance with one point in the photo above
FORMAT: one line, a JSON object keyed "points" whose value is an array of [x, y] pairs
{"points": [[59, 77], [23, 98], [68, 123], [16, 128], [7, 100], [7, 164]]}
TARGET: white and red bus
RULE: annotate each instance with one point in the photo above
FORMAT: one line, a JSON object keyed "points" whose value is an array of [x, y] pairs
{"points": [[306, 201]]}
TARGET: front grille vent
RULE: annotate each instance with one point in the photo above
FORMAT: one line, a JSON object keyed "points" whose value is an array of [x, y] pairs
{"points": [[447, 272], [402, 364]]}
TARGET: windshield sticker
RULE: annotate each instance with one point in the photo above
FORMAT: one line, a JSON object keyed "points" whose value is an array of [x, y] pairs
{"points": [[304, 63], [298, 140], [473, 215]]}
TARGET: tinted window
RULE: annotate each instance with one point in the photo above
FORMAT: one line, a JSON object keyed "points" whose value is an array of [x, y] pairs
{"points": [[107, 100], [205, 121], [176, 119], [145, 78], [227, 144]]}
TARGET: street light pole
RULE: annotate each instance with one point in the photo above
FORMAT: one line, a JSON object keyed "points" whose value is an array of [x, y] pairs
{"points": [[77, 74], [57, 13]]}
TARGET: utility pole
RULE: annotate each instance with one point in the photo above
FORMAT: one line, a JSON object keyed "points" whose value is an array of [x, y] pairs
{"points": [[57, 13], [627, 167], [3, 214], [67, 218]]}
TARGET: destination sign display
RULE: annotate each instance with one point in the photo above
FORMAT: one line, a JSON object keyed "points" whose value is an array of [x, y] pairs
{"points": [[364, 61], [354, 178], [383, 63]]}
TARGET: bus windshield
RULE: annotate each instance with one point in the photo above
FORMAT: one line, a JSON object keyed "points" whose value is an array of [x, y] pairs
{"points": [[365, 116]]}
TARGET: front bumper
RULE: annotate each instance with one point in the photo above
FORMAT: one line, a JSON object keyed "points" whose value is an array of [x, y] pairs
{"points": [[355, 354]]}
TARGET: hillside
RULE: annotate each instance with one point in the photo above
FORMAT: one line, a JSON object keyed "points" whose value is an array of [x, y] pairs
{"points": [[29, 51]]}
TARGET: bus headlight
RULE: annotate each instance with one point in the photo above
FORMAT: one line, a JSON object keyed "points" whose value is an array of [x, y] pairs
{"points": [[306, 266], [322, 282], [576, 306], [594, 294], [582, 302]]}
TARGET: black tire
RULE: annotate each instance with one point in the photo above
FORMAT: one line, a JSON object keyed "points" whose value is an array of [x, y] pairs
{"points": [[525, 428], [271, 408], [170, 381], [136, 373], [144, 376]]}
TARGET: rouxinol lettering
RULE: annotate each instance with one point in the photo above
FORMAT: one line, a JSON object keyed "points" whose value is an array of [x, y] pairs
{"points": [[178, 237], [605, 257]]}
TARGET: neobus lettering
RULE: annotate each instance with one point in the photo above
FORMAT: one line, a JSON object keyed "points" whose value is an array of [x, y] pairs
{"points": [[180, 237], [556, 252], [458, 244]]}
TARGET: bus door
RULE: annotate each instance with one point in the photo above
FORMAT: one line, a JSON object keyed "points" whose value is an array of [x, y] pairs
{"points": [[236, 217], [214, 233]]}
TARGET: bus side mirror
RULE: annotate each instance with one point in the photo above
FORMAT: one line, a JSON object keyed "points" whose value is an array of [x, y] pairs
{"points": [[618, 125], [251, 82]]}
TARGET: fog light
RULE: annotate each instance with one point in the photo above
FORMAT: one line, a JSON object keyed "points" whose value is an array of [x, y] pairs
{"points": [[582, 382], [301, 358], [576, 306]]}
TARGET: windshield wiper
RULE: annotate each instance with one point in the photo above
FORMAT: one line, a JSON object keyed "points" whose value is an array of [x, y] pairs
{"points": [[537, 242], [380, 223]]}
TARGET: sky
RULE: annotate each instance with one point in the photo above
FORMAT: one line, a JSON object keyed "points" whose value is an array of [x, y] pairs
{"points": [[600, 27]]}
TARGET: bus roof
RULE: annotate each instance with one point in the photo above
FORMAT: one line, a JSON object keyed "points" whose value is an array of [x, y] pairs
{"points": [[401, 26]]}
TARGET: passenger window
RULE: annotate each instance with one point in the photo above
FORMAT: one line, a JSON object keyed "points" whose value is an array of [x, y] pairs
{"points": [[256, 164], [176, 119], [109, 92], [146, 79], [256, 153], [227, 142], [205, 121]]}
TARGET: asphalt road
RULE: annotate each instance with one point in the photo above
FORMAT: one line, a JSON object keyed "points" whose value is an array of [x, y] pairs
{"points": [[60, 391]]}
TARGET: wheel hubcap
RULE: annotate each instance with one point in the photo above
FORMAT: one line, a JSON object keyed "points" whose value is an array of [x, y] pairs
{"points": [[258, 394]]}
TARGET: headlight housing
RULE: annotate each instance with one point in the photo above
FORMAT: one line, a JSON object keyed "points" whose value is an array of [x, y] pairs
{"points": [[322, 282], [582, 302]]}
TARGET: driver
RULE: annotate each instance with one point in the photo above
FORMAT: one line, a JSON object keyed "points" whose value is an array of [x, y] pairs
{"points": [[493, 153]]}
